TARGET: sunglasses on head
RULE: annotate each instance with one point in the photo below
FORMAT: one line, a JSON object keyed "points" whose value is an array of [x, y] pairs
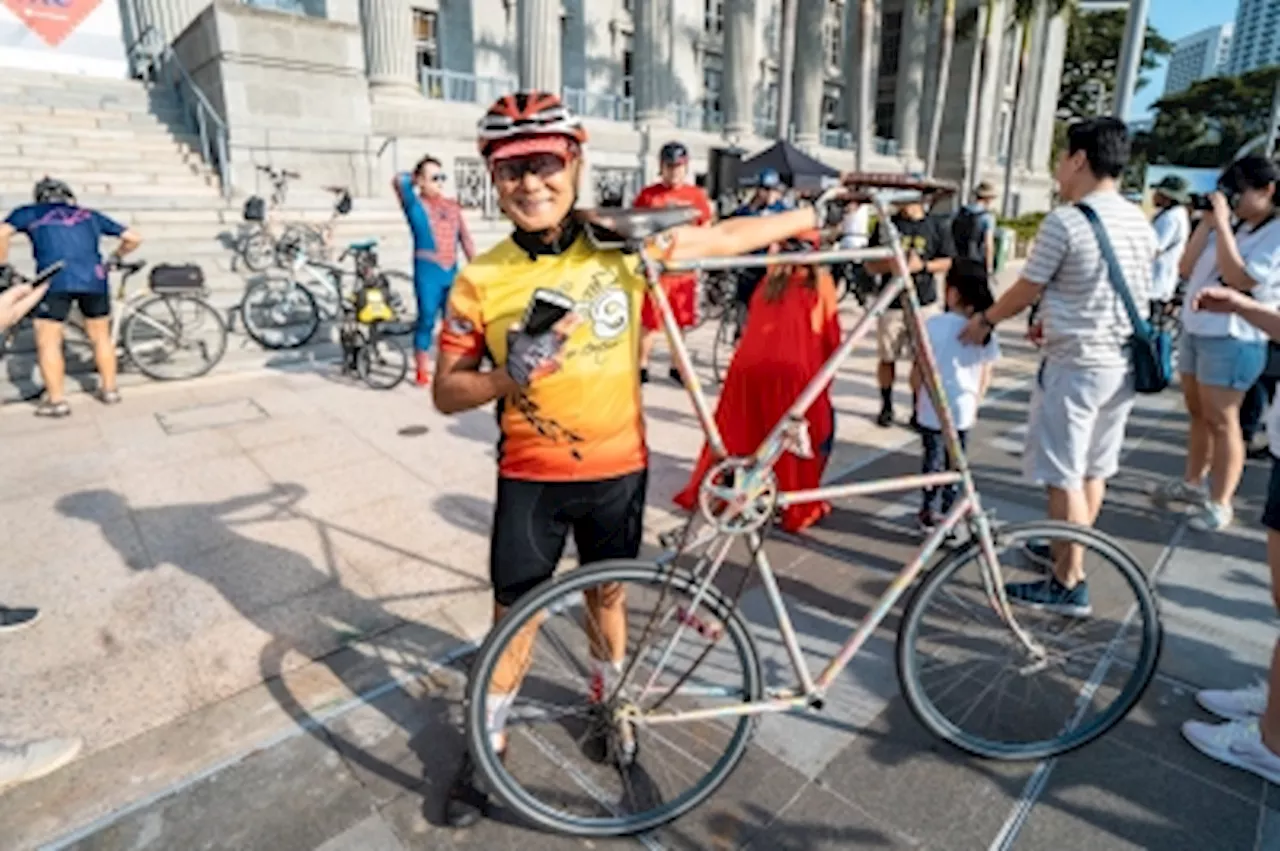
{"points": [[439, 178], [539, 165]]}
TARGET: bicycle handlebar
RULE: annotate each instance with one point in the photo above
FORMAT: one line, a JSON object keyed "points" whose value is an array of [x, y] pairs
{"points": [[16, 277]]}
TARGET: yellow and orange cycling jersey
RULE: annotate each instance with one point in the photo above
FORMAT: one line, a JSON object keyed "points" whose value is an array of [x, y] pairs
{"points": [[583, 422]]}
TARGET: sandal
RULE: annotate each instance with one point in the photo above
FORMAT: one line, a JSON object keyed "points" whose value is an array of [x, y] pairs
{"points": [[108, 397], [55, 410]]}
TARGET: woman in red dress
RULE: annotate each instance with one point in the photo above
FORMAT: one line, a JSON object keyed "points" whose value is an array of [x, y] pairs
{"points": [[792, 328]]}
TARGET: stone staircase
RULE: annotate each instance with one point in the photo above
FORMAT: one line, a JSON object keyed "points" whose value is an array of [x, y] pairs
{"points": [[125, 149]]}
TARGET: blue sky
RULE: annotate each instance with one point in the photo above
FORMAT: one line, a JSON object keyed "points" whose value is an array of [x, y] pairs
{"points": [[1175, 19]]}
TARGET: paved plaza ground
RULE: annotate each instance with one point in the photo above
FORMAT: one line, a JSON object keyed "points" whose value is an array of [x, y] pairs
{"points": [[259, 591]]}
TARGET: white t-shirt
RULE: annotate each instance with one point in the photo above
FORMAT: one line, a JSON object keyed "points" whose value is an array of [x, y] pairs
{"points": [[1173, 229], [960, 367], [1260, 249]]}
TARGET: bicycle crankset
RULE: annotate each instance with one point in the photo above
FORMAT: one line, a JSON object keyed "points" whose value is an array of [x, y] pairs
{"points": [[737, 498]]}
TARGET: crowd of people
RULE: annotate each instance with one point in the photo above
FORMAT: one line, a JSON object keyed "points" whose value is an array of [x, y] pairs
{"points": [[573, 457]]}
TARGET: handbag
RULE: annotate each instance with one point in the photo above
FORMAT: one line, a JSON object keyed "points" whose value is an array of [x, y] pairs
{"points": [[1150, 349], [169, 279]]}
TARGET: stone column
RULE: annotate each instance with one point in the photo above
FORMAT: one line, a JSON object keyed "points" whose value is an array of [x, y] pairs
{"points": [[1029, 103], [811, 60], [786, 67], [909, 94], [389, 50], [861, 75], [538, 42], [739, 68], [167, 17], [990, 89], [1055, 46], [652, 58]]}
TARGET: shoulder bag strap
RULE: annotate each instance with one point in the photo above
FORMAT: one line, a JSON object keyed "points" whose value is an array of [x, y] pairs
{"points": [[1114, 272]]}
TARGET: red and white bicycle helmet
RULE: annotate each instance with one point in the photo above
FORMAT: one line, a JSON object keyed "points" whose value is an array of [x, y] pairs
{"points": [[529, 122]]}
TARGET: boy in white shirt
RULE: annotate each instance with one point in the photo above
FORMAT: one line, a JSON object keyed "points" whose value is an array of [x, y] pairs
{"points": [[965, 372]]}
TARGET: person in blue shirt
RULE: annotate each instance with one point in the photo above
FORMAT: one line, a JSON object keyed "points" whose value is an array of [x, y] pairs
{"points": [[769, 198], [973, 230], [60, 230], [438, 227]]}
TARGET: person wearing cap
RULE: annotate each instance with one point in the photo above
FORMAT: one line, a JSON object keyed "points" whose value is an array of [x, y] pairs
{"points": [[572, 455], [1172, 225], [973, 230], [672, 190]]}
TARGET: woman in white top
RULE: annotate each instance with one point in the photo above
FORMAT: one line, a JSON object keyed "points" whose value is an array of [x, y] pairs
{"points": [[1173, 228], [1222, 355]]}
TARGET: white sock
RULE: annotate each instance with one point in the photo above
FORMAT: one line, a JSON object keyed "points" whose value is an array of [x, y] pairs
{"points": [[496, 708]]}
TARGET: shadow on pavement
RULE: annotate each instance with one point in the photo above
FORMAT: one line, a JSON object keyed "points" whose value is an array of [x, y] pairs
{"points": [[307, 610]]}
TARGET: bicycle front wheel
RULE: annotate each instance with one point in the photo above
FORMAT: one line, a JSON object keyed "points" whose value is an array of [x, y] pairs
{"points": [[256, 250], [382, 362], [970, 680], [172, 337], [279, 314], [594, 752]]}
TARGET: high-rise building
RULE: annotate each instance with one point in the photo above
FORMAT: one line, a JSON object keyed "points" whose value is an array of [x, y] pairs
{"points": [[1254, 43], [1198, 56]]}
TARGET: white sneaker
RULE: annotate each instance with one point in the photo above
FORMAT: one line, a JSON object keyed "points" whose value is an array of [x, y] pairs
{"points": [[1241, 704], [1237, 743], [30, 760], [1212, 517], [1180, 491]]}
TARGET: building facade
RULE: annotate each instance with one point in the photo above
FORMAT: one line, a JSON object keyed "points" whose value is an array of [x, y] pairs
{"points": [[344, 85], [1199, 56], [1255, 42]]}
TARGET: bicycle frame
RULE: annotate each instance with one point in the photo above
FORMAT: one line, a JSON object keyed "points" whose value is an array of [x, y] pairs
{"points": [[789, 433]]}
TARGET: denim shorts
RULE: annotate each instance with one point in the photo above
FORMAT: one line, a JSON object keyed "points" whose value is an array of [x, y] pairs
{"points": [[1222, 361]]}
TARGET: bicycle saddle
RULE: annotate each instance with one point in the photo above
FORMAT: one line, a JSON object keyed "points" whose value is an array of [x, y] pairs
{"points": [[633, 226], [363, 245]]}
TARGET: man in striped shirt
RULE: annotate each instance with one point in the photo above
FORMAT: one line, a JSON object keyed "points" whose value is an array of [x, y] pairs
{"points": [[1084, 390]]}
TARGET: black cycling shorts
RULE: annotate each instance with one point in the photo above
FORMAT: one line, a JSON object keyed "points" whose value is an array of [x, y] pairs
{"points": [[57, 306], [532, 521]]}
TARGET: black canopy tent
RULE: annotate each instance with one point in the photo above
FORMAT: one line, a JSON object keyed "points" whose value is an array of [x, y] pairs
{"points": [[796, 168]]}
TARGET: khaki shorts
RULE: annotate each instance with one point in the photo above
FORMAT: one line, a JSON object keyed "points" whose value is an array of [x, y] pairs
{"points": [[1076, 424], [893, 342]]}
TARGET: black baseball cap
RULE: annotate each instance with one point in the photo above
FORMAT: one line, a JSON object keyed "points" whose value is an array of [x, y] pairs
{"points": [[673, 153]]}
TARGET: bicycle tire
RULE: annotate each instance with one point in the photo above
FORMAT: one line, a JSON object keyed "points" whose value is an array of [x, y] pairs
{"points": [[256, 331], [364, 362], [256, 250], [202, 308], [726, 341], [1074, 737], [571, 583]]}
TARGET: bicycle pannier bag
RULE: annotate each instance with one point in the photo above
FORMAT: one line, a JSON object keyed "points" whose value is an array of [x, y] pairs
{"points": [[1150, 349], [373, 304], [176, 280], [255, 209]]}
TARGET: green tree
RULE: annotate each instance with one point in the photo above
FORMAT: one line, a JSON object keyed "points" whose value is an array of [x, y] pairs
{"points": [[1205, 125], [1090, 62]]}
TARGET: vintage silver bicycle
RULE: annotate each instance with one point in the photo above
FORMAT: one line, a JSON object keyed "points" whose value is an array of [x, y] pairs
{"points": [[991, 676]]}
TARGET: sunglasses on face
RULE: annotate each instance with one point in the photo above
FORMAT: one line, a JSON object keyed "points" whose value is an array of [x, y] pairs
{"points": [[439, 178], [541, 166]]}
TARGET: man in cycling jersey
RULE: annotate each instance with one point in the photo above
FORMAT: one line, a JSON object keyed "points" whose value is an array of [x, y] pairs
{"points": [[59, 229], [438, 228], [572, 455], [672, 190]]}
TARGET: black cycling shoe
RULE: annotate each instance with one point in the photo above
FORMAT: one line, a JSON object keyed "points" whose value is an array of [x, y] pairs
{"points": [[644, 375], [468, 800], [675, 376], [885, 419]]}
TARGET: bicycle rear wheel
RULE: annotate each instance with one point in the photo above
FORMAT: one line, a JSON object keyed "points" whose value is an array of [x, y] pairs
{"points": [[983, 692], [279, 314], [171, 337], [382, 362], [564, 769]]}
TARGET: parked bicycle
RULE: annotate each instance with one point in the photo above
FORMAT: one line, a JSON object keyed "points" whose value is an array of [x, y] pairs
{"points": [[265, 241], [286, 313], [369, 320], [991, 678], [733, 320], [169, 333]]}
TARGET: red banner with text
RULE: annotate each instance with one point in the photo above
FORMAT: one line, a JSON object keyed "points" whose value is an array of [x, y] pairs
{"points": [[52, 20]]}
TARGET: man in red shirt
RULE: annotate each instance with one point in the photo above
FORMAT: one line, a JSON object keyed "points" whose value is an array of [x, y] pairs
{"points": [[681, 288]]}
